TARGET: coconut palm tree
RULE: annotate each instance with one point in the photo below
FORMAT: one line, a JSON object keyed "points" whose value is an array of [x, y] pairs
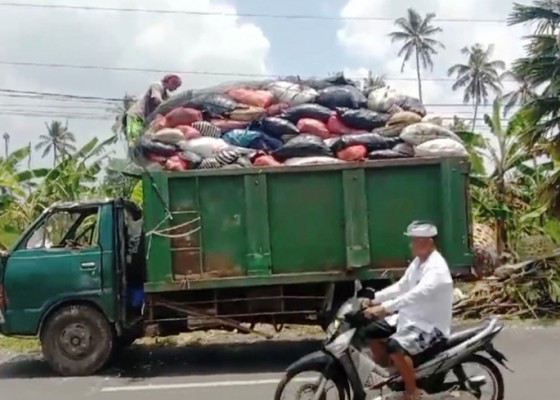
{"points": [[58, 140], [372, 82], [519, 96], [416, 32], [6, 138], [545, 13], [120, 111], [479, 76], [539, 67]]}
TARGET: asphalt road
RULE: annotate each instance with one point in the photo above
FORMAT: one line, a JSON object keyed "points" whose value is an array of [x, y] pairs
{"points": [[248, 371]]}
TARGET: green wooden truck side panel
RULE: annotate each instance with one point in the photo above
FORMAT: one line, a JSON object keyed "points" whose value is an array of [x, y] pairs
{"points": [[210, 229]]}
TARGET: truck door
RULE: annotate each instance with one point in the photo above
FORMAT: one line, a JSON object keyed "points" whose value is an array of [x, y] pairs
{"points": [[59, 259]]}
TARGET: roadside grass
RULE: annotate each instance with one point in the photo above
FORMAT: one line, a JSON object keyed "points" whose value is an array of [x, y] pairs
{"points": [[19, 345], [290, 333]]}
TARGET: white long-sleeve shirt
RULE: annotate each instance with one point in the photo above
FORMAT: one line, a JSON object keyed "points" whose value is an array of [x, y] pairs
{"points": [[423, 297]]}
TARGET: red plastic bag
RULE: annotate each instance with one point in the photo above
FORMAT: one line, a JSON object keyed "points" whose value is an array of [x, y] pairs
{"points": [[265, 160], [313, 126], [158, 123], [189, 131], [229, 124], [277, 109], [337, 127], [257, 98], [156, 158], [357, 152], [182, 116], [175, 163]]}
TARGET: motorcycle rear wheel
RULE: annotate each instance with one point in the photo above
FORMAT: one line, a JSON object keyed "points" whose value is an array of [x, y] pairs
{"points": [[492, 371]]}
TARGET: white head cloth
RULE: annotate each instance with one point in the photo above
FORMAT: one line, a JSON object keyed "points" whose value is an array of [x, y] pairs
{"points": [[421, 229]]}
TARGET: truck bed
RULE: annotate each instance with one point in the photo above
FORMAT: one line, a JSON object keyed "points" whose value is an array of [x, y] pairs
{"points": [[250, 227]]}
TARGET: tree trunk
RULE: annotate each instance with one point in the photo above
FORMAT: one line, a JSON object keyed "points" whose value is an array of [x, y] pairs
{"points": [[476, 105], [419, 78], [55, 156], [501, 232], [29, 158]]}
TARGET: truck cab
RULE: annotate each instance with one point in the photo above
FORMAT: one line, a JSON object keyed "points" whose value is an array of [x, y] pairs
{"points": [[73, 279]]}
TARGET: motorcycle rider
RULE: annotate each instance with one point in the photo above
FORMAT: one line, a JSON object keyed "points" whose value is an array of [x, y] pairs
{"points": [[423, 299]]}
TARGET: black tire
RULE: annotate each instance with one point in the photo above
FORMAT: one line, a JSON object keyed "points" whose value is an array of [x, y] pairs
{"points": [[122, 343], [126, 340], [337, 380], [77, 341], [492, 369]]}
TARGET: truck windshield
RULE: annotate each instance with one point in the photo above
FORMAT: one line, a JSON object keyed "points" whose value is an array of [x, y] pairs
{"points": [[66, 229]]}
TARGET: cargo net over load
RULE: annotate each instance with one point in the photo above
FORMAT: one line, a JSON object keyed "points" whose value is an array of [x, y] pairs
{"points": [[290, 122]]}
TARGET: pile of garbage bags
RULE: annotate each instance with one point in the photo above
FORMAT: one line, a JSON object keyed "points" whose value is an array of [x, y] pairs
{"points": [[291, 122]]}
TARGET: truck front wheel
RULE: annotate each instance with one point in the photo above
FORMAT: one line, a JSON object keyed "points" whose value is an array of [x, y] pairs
{"points": [[77, 341]]}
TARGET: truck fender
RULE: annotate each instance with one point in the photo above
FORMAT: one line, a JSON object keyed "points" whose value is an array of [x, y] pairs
{"points": [[319, 361], [67, 302]]}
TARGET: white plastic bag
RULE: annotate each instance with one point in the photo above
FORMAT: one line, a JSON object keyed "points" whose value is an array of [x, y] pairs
{"points": [[169, 136], [205, 147], [404, 118], [319, 160], [441, 148], [419, 133], [433, 119], [382, 99], [292, 93]]}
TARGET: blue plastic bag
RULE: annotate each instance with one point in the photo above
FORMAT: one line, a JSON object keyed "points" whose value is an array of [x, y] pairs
{"points": [[241, 137]]}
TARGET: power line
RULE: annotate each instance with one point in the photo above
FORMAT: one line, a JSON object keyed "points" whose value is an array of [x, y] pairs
{"points": [[54, 96], [66, 96], [195, 72], [226, 14], [56, 116], [59, 106], [107, 115]]}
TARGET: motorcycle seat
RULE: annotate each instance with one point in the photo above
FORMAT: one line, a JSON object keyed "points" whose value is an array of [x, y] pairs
{"points": [[455, 339], [463, 335]]}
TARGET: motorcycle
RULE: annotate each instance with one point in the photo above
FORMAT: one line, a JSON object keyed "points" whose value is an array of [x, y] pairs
{"points": [[441, 371]]}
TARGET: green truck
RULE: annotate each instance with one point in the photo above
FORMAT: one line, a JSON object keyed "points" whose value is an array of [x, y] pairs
{"points": [[222, 249]]}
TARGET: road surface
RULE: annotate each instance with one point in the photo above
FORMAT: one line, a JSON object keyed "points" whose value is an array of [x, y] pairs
{"points": [[247, 371]]}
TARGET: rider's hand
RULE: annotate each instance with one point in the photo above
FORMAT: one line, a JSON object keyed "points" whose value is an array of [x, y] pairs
{"points": [[366, 303], [376, 312]]}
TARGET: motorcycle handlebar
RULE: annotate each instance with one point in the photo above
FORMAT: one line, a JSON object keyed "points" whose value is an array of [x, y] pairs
{"points": [[357, 318]]}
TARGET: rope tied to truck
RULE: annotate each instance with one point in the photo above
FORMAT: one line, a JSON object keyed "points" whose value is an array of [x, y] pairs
{"points": [[164, 233]]}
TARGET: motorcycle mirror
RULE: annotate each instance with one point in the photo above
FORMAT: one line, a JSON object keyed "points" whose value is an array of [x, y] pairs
{"points": [[357, 287]]}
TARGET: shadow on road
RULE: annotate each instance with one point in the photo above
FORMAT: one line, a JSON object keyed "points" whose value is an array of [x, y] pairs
{"points": [[141, 362]]}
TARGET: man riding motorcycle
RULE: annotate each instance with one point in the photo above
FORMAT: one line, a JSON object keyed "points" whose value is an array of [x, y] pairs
{"points": [[423, 299]]}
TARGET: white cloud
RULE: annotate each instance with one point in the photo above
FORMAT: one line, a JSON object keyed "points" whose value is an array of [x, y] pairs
{"points": [[370, 48], [201, 43]]}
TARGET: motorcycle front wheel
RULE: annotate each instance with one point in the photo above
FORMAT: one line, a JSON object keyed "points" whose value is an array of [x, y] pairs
{"points": [[307, 383]]}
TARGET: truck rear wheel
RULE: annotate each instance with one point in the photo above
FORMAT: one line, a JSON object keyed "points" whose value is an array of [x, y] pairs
{"points": [[77, 341]]}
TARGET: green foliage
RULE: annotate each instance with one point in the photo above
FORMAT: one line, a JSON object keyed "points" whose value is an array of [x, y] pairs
{"points": [[24, 194]]}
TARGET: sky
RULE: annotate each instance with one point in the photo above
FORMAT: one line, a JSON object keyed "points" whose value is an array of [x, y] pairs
{"points": [[219, 44]]}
